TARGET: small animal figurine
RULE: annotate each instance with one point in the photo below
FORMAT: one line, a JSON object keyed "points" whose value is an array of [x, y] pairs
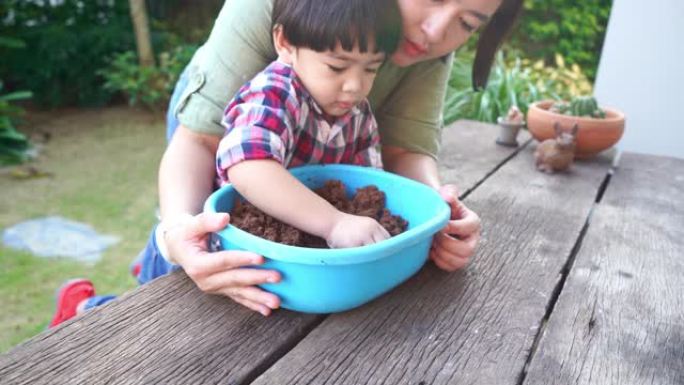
{"points": [[557, 154]]}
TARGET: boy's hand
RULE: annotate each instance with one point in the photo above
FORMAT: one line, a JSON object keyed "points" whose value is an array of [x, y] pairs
{"points": [[223, 272], [353, 230], [456, 242]]}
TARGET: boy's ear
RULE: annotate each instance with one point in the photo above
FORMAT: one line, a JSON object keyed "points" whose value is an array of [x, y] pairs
{"points": [[283, 47]]}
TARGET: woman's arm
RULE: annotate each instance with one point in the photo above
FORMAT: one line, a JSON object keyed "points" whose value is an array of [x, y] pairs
{"points": [[186, 177], [186, 173], [270, 187], [413, 165], [453, 246], [238, 48]]}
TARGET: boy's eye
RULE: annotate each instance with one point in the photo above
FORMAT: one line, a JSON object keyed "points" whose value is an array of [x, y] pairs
{"points": [[371, 70], [336, 69]]}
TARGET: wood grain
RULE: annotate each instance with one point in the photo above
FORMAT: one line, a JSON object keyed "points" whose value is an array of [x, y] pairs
{"points": [[165, 332], [169, 332], [620, 318], [471, 327], [469, 153]]}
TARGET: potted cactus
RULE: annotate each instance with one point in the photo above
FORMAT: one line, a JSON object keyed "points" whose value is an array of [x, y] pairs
{"points": [[599, 128], [580, 106]]}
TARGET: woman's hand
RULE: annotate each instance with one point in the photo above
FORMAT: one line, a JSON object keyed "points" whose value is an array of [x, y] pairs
{"points": [[223, 272], [456, 242]]}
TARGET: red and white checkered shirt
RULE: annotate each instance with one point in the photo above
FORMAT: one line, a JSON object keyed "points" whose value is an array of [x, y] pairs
{"points": [[274, 117]]}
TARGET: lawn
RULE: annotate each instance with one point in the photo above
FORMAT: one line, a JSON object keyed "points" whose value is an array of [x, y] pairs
{"points": [[103, 165]]}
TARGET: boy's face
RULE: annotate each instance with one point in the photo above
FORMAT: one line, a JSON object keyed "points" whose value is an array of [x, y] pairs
{"points": [[337, 80]]}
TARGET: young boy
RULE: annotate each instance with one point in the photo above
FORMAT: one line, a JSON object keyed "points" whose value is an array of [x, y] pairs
{"points": [[309, 107]]}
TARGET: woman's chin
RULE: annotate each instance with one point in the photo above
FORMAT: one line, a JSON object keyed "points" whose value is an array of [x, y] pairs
{"points": [[401, 60]]}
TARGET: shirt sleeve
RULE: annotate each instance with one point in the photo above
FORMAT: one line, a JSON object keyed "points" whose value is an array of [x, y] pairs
{"points": [[411, 117], [238, 47], [259, 125]]}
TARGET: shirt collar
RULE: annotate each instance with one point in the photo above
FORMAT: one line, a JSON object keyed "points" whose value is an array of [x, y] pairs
{"points": [[306, 96]]}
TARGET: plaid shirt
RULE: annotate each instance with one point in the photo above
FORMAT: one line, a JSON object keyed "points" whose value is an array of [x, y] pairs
{"points": [[274, 117]]}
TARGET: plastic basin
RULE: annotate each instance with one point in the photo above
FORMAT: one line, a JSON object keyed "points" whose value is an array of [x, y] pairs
{"points": [[333, 280]]}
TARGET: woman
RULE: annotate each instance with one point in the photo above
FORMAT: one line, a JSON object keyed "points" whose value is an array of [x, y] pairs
{"points": [[407, 98]]}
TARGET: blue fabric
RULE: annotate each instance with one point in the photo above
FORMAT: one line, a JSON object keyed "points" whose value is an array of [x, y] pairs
{"points": [[153, 265], [171, 120], [97, 301]]}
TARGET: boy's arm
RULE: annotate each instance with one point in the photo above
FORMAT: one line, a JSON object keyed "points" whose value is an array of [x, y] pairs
{"points": [[269, 186]]}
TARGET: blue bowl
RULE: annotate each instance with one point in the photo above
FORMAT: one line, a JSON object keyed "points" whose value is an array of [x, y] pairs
{"points": [[333, 280]]}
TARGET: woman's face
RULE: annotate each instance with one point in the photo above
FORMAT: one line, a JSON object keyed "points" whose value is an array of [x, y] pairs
{"points": [[433, 28]]}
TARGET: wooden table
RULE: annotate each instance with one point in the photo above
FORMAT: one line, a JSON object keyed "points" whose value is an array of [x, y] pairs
{"points": [[579, 279]]}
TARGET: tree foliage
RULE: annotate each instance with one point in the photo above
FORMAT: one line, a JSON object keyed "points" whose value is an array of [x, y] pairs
{"points": [[573, 29], [67, 42]]}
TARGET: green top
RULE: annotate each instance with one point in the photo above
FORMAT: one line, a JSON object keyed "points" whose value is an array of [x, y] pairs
{"points": [[407, 101]]}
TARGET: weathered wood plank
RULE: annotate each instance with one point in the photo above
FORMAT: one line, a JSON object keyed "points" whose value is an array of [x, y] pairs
{"points": [[165, 332], [620, 317], [469, 153], [469, 327], [169, 332]]}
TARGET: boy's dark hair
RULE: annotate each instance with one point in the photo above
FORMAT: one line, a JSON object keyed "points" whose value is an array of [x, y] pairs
{"points": [[320, 24], [491, 38]]}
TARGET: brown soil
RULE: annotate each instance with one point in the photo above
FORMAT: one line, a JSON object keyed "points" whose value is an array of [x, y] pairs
{"points": [[368, 201]]}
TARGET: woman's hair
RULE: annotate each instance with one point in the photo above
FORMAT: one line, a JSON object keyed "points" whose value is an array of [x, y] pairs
{"points": [[491, 38], [321, 24]]}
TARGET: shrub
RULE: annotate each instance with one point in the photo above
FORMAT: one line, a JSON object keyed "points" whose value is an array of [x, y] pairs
{"points": [[574, 29], [69, 40], [514, 82], [13, 144], [559, 81], [147, 86], [507, 86]]}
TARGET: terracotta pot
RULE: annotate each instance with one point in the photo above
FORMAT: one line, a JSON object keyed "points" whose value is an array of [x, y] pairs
{"points": [[593, 135]]}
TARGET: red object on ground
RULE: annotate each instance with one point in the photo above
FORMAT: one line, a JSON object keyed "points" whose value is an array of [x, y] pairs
{"points": [[135, 270], [69, 296]]}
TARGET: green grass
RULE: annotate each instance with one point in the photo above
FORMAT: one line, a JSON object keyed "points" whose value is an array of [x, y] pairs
{"points": [[104, 170]]}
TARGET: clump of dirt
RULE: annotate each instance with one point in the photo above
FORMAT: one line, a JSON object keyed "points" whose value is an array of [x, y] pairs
{"points": [[368, 201]]}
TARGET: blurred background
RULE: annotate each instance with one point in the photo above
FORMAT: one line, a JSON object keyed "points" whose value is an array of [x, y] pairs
{"points": [[83, 91]]}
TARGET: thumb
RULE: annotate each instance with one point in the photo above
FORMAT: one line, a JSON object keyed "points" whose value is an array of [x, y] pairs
{"points": [[449, 193], [209, 222]]}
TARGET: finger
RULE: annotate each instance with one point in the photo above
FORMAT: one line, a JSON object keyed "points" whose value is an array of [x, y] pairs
{"points": [[439, 262], [446, 261], [212, 263], [449, 192], [207, 222], [468, 225], [256, 295], [447, 265], [380, 234], [264, 310], [237, 278], [463, 248]]}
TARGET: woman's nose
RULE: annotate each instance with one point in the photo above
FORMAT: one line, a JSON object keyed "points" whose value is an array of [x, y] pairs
{"points": [[435, 26]]}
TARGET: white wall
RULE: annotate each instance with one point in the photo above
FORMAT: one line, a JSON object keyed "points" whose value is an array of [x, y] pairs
{"points": [[641, 72]]}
